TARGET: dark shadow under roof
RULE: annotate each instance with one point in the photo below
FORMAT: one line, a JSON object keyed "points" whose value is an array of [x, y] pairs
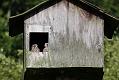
{"points": [[16, 23]]}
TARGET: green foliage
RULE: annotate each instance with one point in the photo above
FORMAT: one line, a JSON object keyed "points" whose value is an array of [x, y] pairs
{"points": [[111, 59], [9, 68], [11, 53]]}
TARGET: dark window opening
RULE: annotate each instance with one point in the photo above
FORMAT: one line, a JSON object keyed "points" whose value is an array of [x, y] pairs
{"points": [[38, 38]]}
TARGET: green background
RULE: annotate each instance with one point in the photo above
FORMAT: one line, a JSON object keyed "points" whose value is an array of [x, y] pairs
{"points": [[11, 54]]}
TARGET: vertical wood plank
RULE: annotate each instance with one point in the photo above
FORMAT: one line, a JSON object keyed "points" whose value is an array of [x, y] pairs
{"points": [[75, 36]]}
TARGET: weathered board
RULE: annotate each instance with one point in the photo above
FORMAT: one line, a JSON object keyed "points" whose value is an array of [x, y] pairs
{"points": [[75, 37]]}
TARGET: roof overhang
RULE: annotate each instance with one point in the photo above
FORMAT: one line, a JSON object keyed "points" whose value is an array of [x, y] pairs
{"points": [[16, 23]]}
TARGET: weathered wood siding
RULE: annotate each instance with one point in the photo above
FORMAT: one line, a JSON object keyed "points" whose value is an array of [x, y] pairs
{"points": [[75, 36]]}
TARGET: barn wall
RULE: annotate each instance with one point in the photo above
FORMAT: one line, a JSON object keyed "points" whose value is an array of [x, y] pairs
{"points": [[75, 36]]}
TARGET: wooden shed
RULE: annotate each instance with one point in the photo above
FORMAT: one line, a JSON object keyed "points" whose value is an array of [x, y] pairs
{"points": [[64, 36]]}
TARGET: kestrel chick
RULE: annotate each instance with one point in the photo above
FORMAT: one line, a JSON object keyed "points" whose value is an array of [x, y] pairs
{"points": [[46, 47], [35, 48]]}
